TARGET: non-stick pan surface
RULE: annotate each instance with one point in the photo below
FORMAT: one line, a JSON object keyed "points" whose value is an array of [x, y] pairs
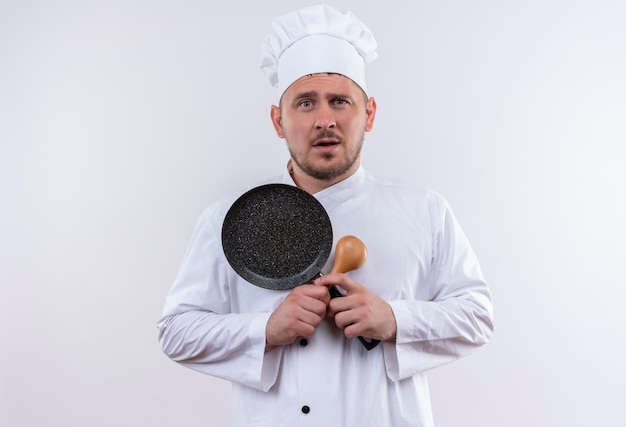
{"points": [[277, 236]]}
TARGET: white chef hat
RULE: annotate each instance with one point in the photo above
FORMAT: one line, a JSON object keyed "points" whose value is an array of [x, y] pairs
{"points": [[317, 39]]}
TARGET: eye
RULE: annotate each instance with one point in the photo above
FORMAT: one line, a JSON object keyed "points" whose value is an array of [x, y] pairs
{"points": [[340, 101], [305, 103]]}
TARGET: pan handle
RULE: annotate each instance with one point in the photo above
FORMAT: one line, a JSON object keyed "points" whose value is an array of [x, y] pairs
{"points": [[368, 343]]}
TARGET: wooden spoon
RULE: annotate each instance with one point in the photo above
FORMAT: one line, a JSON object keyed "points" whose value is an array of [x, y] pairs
{"points": [[350, 254]]}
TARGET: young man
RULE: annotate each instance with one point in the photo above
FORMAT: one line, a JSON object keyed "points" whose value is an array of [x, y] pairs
{"points": [[291, 355]]}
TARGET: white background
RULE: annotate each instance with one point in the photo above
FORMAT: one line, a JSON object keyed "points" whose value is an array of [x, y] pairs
{"points": [[121, 120]]}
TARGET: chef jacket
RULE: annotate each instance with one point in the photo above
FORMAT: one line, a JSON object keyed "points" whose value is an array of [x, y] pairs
{"points": [[419, 261]]}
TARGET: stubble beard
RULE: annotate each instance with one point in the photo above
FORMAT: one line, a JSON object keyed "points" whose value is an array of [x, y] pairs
{"points": [[328, 173]]}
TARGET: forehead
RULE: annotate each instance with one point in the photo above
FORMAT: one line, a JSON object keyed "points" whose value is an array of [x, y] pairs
{"points": [[323, 83]]}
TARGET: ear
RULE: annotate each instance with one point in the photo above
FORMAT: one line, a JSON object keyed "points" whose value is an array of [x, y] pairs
{"points": [[370, 110], [277, 121]]}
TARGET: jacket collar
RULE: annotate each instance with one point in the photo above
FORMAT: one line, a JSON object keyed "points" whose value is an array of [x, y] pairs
{"points": [[338, 192]]}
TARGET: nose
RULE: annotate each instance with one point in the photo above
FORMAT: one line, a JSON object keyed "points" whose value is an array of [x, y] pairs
{"points": [[325, 118]]}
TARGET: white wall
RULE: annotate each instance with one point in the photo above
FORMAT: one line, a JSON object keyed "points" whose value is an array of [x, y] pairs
{"points": [[120, 120]]}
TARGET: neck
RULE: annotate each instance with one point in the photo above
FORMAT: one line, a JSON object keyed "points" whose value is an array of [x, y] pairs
{"points": [[313, 185]]}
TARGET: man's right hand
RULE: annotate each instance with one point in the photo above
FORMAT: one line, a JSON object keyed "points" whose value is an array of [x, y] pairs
{"points": [[298, 315]]}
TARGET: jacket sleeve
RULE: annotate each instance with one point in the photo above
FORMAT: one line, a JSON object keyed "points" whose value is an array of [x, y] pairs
{"points": [[198, 328], [457, 318]]}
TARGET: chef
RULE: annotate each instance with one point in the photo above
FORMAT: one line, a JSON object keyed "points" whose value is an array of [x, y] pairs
{"points": [[292, 355]]}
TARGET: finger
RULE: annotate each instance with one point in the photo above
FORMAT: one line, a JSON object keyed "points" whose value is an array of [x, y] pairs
{"points": [[312, 291], [346, 318], [353, 330], [339, 305], [299, 305], [339, 279], [304, 329], [310, 298], [377, 321], [354, 325]]}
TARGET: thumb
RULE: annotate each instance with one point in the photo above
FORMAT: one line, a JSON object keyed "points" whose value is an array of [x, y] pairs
{"points": [[338, 279]]}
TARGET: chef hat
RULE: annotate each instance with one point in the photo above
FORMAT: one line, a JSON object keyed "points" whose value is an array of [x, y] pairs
{"points": [[317, 39]]}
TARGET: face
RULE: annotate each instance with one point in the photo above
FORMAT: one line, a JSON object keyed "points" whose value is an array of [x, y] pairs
{"points": [[324, 118]]}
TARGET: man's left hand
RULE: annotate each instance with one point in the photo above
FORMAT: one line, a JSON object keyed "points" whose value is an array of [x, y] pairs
{"points": [[360, 312]]}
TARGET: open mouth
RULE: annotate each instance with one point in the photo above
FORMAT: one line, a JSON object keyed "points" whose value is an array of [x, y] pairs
{"points": [[326, 143]]}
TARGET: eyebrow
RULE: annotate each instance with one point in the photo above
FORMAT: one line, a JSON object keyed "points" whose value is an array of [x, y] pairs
{"points": [[309, 94], [315, 94]]}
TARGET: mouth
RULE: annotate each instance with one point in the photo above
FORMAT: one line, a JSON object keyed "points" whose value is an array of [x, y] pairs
{"points": [[326, 143]]}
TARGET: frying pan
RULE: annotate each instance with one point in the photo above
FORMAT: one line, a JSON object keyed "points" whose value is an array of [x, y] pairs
{"points": [[278, 236]]}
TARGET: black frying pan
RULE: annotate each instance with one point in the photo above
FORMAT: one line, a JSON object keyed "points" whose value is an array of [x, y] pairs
{"points": [[278, 236]]}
